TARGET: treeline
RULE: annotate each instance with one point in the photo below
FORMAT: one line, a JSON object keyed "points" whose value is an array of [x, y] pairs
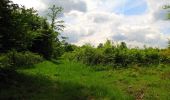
{"points": [[26, 37], [118, 55]]}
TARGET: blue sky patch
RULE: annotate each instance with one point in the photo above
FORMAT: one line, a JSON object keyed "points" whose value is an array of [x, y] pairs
{"points": [[132, 7]]}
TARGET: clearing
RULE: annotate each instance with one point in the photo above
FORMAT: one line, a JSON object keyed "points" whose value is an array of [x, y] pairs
{"points": [[64, 80]]}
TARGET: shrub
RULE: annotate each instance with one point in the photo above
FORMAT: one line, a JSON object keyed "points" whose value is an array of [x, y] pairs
{"points": [[14, 59], [165, 56], [152, 57], [118, 56], [4, 62], [70, 56]]}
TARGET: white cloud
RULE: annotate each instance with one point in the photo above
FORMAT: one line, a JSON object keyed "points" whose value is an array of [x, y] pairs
{"points": [[94, 21], [43, 5], [68, 5], [37, 4], [136, 30]]}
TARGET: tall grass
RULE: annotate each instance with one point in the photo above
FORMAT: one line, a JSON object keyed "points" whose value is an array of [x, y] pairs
{"points": [[65, 80]]}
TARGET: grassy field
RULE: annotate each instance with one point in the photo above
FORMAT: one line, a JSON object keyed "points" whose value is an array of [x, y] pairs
{"points": [[65, 80]]}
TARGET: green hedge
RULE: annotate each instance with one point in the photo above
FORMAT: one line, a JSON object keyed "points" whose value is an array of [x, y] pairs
{"points": [[116, 56]]}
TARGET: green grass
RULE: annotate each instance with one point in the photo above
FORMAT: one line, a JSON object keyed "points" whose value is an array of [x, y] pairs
{"points": [[65, 80]]}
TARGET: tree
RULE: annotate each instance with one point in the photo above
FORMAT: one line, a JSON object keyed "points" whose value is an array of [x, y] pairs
{"points": [[43, 43], [168, 17], [123, 45], [168, 43], [56, 27], [53, 15], [6, 24], [18, 26], [100, 45], [108, 44], [167, 7], [27, 24], [23, 29], [47, 42]]}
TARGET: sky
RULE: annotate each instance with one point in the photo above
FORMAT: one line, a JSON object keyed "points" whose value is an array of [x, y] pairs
{"points": [[136, 22]]}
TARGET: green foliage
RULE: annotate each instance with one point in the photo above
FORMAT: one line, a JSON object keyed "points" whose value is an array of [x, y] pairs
{"points": [[14, 59], [69, 47], [168, 17], [23, 29], [117, 55], [19, 30], [58, 51], [165, 55], [6, 26], [167, 7], [63, 47], [65, 80], [54, 11], [123, 45], [43, 44], [168, 43]]}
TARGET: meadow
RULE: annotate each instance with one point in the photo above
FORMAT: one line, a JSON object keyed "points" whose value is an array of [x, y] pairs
{"points": [[37, 63], [65, 80]]}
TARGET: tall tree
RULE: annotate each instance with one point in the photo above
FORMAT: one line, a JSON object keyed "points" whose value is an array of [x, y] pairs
{"points": [[6, 24], [57, 26], [27, 24], [43, 43], [123, 45], [168, 17], [169, 44], [18, 26], [47, 43], [53, 14], [167, 7]]}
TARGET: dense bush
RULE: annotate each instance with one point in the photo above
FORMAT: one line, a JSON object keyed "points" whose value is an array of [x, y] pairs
{"points": [[15, 59], [118, 55], [165, 55]]}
